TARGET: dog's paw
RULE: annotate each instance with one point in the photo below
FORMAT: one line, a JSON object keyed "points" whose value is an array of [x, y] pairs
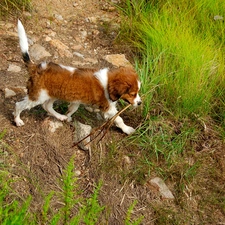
{"points": [[69, 119], [128, 130], [19, 122], [62, 117]]}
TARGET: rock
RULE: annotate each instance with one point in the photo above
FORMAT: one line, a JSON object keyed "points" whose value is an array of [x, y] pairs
{"points": [[47, 38], [9, 93], [162, 188], [218, 17], [12, 91], [58, 17], [62, 48], [77, 47], [38, 52], [81, 131], [52, 125], [118, 60], [14, 68], [83, 34], [78, 54], [77, 173]]}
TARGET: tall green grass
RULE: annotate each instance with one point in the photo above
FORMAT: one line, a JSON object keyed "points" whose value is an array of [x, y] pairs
{"points": [[181, 45]]}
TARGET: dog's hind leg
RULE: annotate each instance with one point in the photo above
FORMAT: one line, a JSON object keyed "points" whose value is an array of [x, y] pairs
{"points": [[21, 106]]}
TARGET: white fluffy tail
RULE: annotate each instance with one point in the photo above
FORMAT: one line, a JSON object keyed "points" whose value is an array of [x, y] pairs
{"points": [[22, 37], [23, 42]]}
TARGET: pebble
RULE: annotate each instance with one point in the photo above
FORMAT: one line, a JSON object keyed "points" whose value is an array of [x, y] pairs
{"points": [[9, 93], [14, 68], [158, 183], [77, 173], [58, 17]]}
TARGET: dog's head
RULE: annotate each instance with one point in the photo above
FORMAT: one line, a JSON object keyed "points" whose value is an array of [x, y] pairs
{"points": [[124, 84]]}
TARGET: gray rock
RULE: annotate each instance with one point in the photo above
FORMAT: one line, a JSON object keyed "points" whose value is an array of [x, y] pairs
{"points": [[38, 52], [81, 131]]}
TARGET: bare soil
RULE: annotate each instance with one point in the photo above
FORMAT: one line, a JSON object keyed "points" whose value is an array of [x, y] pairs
{"points": [[36, 157]]}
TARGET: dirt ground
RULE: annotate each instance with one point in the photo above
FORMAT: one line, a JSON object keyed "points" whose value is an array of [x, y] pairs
{"points": [[36, 157]]}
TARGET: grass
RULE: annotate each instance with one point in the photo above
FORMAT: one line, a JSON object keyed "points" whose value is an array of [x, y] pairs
{"points": [[182, 52], [13, 6], [179, 49]]}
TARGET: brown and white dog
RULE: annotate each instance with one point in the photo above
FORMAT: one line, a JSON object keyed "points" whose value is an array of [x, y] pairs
{"points": [[99, 88]]}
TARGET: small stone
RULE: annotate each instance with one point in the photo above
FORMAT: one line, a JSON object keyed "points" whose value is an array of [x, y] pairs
{"points": [[218, 17], [76, 47], [58, 17], [118, 60], [78, 54], [54, 125], [48, 39], [127, 160], [162, 188], [9, 93], [83, 34], [14, 68], [77, 173], [48, 24]]}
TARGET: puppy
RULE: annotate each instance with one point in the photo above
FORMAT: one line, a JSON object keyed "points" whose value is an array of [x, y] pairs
{"points": [[98, 88]]}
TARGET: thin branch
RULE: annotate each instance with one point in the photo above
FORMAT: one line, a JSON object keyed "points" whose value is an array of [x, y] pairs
{"points": [[105, 126]]}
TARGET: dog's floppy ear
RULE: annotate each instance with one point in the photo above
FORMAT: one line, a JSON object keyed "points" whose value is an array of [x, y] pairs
{"points": [[117, 89]]}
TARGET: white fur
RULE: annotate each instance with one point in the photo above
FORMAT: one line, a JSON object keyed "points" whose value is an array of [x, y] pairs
{"points": [[102, 76], [28, 104], [44, 65], [69, 68], [22, 37]]}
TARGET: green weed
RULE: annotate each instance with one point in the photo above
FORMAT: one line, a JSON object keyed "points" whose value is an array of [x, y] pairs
{"points": [[76, 209]]}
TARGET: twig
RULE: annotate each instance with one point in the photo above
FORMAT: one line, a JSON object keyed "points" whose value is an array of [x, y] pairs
{"points": [[105, 126]]}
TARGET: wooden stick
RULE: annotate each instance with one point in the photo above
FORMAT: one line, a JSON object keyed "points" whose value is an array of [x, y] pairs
{"points": [[106, 125]]}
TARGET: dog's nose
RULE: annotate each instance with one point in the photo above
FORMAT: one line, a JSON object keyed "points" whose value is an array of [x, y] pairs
{"points": [[139, 103]]}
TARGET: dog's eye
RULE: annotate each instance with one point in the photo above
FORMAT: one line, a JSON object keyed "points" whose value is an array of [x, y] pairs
{"points": [[133, 94]]}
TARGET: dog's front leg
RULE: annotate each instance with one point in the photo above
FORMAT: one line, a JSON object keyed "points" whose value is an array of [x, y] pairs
{"points": [[126, 129], [118, 121]]}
